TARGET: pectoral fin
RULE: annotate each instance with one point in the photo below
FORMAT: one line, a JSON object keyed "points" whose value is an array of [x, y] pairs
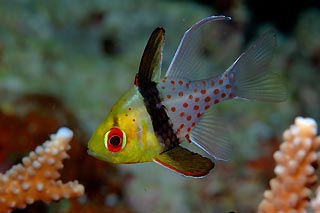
{"points": [[185, 162]]}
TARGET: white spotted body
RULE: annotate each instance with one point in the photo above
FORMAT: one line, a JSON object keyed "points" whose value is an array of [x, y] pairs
{"points": [[189, 100], [186, 101]]}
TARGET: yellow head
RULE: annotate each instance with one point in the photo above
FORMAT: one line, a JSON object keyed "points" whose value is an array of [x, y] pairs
{"points": [[126, 135]]}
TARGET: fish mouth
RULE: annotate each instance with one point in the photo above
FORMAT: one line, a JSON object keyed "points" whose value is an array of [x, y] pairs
{"points": [[96, 155], [92, 153]]}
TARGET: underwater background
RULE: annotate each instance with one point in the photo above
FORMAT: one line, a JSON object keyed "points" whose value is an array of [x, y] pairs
{"points": [[64, 63]]}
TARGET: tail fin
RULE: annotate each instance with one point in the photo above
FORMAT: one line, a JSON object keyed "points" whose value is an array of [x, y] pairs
{"points": [[252, 79]]}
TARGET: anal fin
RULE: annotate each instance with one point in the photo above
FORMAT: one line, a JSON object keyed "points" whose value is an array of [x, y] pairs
{"points": [[185, 162]]}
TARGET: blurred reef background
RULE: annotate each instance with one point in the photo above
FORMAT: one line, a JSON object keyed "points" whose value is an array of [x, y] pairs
{"points": [[65, 62]]}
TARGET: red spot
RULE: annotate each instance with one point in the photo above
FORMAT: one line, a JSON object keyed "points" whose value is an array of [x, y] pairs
{"points": [[173, 89], [196, 107], [195, 90], [216, 91], [189, 118], [168, 96], [207, 99], [197, 99], [129, 108], [204, 83], [181, 126], [173, 109], [230, 95], [198, 115], [193, 124], [180, 82], [163, 80], [185, 105], [223, 95], [180, 94], [172, 82], [182, 114], [203, 91], [207, 107], [221, 81], [228, 86], [188, 130], [187, 85], [216, 101], [226, 75], [187, 136], [190, 96], [213, 83], [163, 87]]}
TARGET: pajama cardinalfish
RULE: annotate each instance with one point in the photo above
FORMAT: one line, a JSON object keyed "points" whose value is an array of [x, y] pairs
{"points": [[151, 120]]}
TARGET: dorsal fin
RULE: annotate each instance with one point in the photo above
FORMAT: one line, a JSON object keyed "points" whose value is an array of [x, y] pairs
{"points": [[150, 65], [187, 59]]}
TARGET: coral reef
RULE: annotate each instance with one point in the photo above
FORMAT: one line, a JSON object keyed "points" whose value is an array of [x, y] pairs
{"points": [[79, 58], [26, 121], [296, 165], [36, 179]]}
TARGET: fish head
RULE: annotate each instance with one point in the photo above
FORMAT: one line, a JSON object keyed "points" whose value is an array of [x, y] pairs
{"points": [[126, 135]]}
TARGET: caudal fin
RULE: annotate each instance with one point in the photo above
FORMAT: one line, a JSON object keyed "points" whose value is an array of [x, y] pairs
{"points": [[252, 79]]}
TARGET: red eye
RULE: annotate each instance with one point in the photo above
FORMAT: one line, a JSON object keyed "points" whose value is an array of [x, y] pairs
{"points": [[115, 140]]}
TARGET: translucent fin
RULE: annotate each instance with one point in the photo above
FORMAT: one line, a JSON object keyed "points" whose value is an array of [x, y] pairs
{"points": [[150, 64], [186, 61], [252, 78], [212, 135], [185, 162]]}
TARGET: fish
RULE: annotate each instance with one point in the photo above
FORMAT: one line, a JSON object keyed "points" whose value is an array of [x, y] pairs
{"points": [[153, 119]]}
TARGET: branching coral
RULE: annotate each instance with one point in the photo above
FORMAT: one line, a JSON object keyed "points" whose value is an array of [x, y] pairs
{"points": [[290, 189], [36, 179]]}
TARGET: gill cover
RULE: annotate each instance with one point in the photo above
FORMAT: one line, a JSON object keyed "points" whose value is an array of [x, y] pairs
{"points": [[115, 139]]}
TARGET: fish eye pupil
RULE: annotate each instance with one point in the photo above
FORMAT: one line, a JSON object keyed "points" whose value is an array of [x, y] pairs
{"points": [[115, 140]]}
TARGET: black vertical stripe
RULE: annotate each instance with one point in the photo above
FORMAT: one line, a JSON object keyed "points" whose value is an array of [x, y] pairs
{"points": [[161, 123], [150, 63]]}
